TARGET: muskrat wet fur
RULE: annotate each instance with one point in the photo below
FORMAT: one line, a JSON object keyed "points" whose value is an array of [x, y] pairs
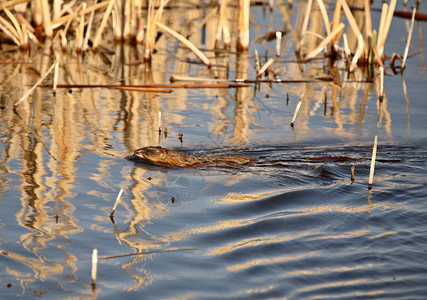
{"points": [[171, 158]]}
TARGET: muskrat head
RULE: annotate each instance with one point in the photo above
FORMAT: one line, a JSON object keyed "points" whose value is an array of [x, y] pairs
{"points": [[152, 154]]}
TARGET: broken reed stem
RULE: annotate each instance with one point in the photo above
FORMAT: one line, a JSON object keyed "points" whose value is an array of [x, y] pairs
{"points": [[94, 266], [103, 24], [160, 121], [408, 41], [374, 155], [264, 67], [297, 110], [186, 42], [116, 203], [278, 42], [336, 19], [243, 12], [58, 22], [37, 83], [326, 41], [381, 89]]}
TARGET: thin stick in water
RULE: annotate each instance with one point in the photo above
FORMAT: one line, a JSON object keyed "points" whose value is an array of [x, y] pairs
{"points": [[264, 67], [374, 155], [116, 203], [297, 110], [352, 172], [37, 83], [381, 89], [94, 266]]}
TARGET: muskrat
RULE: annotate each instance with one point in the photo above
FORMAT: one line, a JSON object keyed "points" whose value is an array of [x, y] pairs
{"points": [[170, 158]]}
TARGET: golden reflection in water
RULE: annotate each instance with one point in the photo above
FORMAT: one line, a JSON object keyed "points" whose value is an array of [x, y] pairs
{"points": [[49, 135]]}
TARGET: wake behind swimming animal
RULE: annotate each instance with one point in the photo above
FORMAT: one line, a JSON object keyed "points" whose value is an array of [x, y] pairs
{"points": [[171, 158]]}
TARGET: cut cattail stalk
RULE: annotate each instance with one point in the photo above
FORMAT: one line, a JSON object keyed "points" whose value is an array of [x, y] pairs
{"points": [[374, 155], [103, 24], [336, 19], [264, 67], [381, 89], [278, 42], [297, 110], [322, 45], [408, 41], [243, 13], [346, 47], [94, 266], [186, 42], [116, 203], [352, 172], [160, 122], [37, 83], [46, 18], [368, 19]]}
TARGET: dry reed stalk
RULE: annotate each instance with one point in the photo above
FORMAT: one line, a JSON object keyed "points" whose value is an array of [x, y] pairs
{"points": [[374, 156], [80, 30], [14, 22], [56, 9], [264, 67], [10, 31], [186, 42], [326, 41], [152, 18], [324, 16], [103, 24], [387, 24], [116, 203], [223, 27], [47, 22], [243, 13], [336, 20], [346, 47], [278, 42], [127, 31], [304, 25], [57, 23], [297, 109], [140, 32], [94, 266], [368, 19], [358, 53], [56, 75], [89, 28], [36, 10], [382, 22], [353, 24], [196, 79], [22, 21], [408, 41], [37, 84], [117, 24]]}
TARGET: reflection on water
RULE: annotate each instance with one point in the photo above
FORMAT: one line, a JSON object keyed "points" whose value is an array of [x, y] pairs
{"points": [[290, 225]]}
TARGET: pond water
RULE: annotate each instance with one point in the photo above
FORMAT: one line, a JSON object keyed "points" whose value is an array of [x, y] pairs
{"points": [[291, 225]]}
